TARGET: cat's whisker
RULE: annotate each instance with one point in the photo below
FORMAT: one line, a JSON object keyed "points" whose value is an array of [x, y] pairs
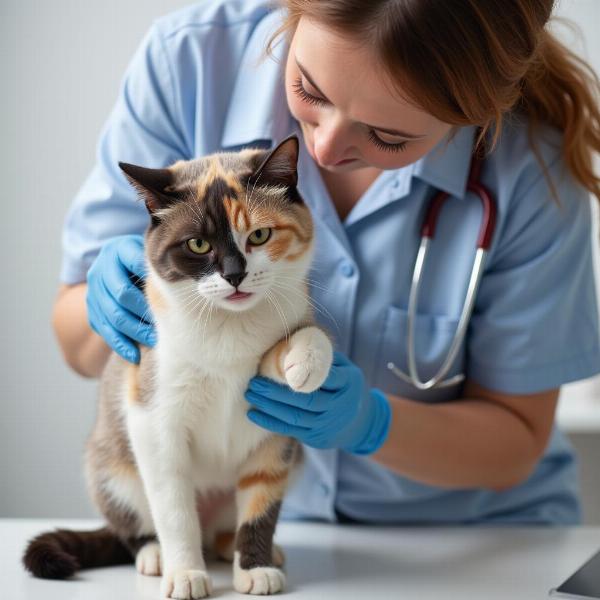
{"points": [[288, 300], [195, 204], [249, 201], [314, 303], [311, 282], [254, 207], [208, 319], [272, 300], [191, 299]]}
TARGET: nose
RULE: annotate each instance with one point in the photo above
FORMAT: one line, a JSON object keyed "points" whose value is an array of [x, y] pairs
{"points": [[234, 270], [329, 142], [234, 278]]}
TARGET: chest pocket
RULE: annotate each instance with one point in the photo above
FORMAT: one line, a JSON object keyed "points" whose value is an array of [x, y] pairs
{"points": [[433, 338]]}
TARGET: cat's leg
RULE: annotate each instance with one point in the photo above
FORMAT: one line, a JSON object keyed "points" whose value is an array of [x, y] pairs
{"points": [[225, 548], [160, 445], [260, 490], [223, 540], [302, 361], [118, 492]]}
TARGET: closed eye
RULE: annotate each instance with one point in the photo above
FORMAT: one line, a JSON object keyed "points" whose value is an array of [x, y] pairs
{"points": [[309, 98]]}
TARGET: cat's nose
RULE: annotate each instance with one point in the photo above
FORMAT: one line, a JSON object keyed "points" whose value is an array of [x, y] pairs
{"points": [[233, 270], [235, 278]]}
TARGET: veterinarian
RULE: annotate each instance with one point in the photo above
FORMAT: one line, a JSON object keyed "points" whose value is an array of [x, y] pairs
{"points": [[389, 99]]}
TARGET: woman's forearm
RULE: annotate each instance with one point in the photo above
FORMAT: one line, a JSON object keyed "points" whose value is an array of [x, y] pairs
{"points": [[83, 349], [459, 444]]}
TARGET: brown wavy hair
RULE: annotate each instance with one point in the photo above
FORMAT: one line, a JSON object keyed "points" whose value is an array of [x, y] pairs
{"points": [[474, 62]]}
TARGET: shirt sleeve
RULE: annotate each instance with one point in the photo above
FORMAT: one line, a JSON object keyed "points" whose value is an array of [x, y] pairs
{"points": [[535, 321], [142, 129]]}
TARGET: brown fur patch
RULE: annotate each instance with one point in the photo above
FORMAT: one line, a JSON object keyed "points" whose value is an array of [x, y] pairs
{"points": [[254, 540], [223, 542], [59, 554]]}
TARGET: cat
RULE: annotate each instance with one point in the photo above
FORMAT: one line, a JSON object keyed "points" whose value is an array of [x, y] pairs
{"points": [[227, 250]]}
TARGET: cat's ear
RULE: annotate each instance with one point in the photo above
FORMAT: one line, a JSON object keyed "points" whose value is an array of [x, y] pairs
{"points": [[152, 185], [280, 167]]}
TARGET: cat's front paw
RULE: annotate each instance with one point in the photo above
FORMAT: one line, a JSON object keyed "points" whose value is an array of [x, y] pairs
{"points": [[258, 580], [186, 584], [308, 360]]}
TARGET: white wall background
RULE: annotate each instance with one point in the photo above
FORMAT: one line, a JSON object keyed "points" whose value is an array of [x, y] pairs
{"points": [[60, 66]]}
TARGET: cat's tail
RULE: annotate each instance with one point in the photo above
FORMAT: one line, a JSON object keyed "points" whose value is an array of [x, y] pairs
{"points": [[59, 554]]}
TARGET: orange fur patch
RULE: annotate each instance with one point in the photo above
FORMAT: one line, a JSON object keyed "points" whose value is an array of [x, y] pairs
{"points": [[261, 477], [123, 470], [295, 229], [237, 214], [133, 385], [216, 171], [279, 246], [262, 500], [155, 299]]}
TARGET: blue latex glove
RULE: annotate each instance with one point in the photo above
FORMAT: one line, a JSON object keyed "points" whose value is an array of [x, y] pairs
{"points": [[343, 413], [117, 308]]}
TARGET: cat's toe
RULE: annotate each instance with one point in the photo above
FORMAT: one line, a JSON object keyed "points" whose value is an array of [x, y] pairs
{"points": [[186, 584], [308, 361], [147, 560], [259, 580]]}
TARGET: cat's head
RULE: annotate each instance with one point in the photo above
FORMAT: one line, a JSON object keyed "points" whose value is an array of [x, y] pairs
{"points": [[230, 227]]}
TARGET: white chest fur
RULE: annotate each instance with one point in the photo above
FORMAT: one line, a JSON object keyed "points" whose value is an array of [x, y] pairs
{"points": [[202, 374], [208, 408]]}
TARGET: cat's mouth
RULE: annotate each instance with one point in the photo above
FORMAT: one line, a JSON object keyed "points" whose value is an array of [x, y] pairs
{"points": [[237, 295]]}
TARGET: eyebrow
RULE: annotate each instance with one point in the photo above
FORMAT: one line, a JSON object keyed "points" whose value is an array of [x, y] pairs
{"points": [[411, 136]]}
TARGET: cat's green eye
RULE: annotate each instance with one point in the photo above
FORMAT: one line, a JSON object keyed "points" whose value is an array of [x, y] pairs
{"points": [[199, 246], [260, 236]]}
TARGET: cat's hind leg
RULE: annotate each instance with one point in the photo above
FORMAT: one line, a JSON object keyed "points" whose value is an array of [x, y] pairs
{"points": [[148, 560], [120, 495]]}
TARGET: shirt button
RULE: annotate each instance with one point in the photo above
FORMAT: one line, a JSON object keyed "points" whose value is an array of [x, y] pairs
{"points": [[347, 269], [324, 489]]}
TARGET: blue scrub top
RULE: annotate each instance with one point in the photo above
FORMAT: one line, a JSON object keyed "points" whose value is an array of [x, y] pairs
{"points": [[196, 85]]}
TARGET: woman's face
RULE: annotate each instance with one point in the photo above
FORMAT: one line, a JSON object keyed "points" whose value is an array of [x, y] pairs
{"points": [[349, 116]]}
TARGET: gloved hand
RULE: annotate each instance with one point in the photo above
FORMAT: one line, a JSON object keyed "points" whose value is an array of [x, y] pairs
{"points": [[117, 309], [342, 413]]}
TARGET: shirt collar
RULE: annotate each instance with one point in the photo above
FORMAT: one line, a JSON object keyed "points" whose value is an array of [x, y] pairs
{"points": [[446, 167], [258, 113], [258, 107]]}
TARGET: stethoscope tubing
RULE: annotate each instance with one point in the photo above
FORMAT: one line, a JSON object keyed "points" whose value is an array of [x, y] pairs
{"points": [[486, 232]]}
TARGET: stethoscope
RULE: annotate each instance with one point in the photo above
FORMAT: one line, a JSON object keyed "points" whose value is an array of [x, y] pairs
{"points": [[486, 231]]}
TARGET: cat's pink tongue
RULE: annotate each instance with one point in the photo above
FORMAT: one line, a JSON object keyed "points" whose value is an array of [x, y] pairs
{"points": [[238, 296]]}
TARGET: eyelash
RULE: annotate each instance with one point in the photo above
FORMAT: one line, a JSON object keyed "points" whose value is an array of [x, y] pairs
{"points": [[316, 101]]}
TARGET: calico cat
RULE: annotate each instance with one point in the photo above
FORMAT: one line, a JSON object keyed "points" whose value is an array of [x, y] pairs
{"points": [[228, 247]]}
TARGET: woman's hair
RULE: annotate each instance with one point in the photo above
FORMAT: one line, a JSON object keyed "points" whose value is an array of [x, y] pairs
{"points": [[475, 62]]}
